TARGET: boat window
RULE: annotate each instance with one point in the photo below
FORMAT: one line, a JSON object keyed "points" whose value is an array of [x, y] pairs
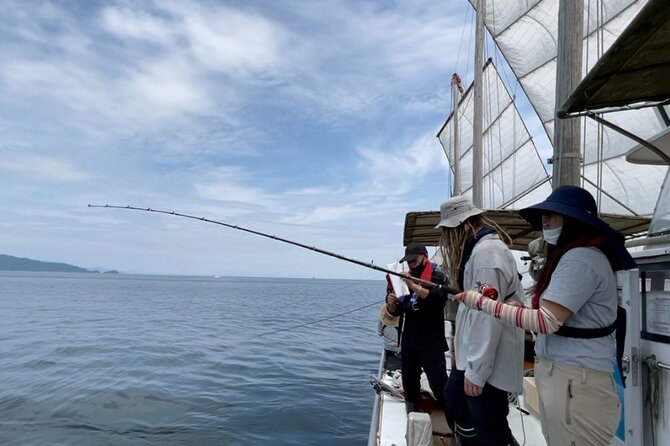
{"points": [[660, 222], [655, 295]]}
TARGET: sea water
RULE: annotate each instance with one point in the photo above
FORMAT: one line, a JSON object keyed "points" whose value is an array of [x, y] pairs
{"points": [[107, 359]]}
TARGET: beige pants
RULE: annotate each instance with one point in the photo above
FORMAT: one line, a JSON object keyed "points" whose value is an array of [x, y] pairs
{"points": [[578, 406]]}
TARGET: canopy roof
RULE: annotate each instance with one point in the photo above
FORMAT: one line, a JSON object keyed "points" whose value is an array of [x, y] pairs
{"points": [[642, 155], [634, 71], [420, 227]]}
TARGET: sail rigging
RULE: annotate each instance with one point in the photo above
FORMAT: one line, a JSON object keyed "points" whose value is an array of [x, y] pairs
{"points": [[512, 167], [526, 34], [514, 175]]}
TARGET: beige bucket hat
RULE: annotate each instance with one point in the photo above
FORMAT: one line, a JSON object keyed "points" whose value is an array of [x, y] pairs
{"points": [[455, 211], [387, 318]]}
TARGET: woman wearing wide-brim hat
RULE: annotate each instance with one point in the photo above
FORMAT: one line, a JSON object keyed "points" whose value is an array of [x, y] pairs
{"points": [[489, 353], [574, 313]]}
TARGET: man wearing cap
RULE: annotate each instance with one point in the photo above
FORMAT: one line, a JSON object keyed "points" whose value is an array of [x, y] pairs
{"points": [[489, 354], [422, 327]]}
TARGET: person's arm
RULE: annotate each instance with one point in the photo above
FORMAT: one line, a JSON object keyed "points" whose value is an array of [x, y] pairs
{"points": [[437, 278], [572, 284], [545, 320], [439, 294], [417, 289], [394, 308]]}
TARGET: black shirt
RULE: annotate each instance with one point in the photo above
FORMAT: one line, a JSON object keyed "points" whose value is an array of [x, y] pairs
{"points": [[423, 322]]}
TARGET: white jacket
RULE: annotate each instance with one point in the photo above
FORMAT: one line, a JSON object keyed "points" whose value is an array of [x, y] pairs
{"points": [[486, 348]]}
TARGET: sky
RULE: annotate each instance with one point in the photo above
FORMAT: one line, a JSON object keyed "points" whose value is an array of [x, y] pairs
{"points": [[314, 121]]}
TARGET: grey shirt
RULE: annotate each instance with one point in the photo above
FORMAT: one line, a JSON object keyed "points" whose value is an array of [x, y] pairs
{"points": [[390, 335], [486, 348], [583, 282]]}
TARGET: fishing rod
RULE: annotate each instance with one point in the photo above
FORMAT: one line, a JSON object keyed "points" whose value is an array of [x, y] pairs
{"points": [[370, 265]]}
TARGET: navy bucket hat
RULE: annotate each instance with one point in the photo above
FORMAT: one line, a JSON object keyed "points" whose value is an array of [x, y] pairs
{"points": [[570, 201], [579, 204]]}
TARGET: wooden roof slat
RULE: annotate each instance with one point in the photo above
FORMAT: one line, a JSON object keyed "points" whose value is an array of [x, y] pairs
{"points": [[420, 226]]}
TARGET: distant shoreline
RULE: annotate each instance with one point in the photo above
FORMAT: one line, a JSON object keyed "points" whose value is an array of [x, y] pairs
{"points": [[12, 263]]}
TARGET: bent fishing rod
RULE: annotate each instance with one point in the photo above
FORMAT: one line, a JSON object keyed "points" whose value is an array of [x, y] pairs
{"points": [[370, 265]]}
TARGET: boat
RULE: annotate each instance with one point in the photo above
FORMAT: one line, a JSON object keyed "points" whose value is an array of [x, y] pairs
{"points": [[622, 106]]}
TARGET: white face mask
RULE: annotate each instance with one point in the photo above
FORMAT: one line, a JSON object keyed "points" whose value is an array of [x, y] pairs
{"points": [[551, 235]]}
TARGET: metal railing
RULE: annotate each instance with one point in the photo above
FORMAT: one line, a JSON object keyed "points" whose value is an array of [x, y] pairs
{"points": [[653, 363]]}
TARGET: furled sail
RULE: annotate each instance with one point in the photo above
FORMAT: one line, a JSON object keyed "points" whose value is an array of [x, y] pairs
{"points": [[527, 33], [513, 173]]}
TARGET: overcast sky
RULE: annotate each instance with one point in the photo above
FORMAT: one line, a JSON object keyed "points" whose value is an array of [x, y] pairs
{"points": [[310, 120]]}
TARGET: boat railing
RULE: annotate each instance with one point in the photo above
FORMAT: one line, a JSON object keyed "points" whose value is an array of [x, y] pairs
{"points": [[374, 425], [648, 241], [652, 363]]}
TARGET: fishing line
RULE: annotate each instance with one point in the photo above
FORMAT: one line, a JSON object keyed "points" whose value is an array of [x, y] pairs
{"points": [[388, 337], [320, 320], [337, 290], [370, 265]]}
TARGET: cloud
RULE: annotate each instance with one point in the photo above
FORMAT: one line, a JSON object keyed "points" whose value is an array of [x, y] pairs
{"points": [[146, 66], [214, 38], [152, 65], [314, 119], [402, 169], [43, 168], [323, 214], [167, 87], [230, 184], [408, 42]]}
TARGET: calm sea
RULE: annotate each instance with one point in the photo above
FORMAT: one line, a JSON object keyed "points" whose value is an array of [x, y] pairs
{"points": [[98, 359]]}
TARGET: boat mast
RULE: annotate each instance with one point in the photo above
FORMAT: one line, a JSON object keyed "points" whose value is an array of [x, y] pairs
{"points": [[456, 91], [477, 137], [567, 132]]}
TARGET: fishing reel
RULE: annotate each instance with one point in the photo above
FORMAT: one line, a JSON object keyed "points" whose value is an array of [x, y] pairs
{"points": [[487, 290]]}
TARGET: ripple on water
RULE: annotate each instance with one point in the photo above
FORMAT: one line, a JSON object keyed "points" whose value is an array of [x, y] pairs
{"points": [[141, 361]]}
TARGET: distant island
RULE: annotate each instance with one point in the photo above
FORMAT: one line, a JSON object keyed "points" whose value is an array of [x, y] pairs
{"points": [[11, 263]]}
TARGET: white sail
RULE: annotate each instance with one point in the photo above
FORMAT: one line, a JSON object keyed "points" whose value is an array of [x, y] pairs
{"points": [[512, 167], [527, 34]]}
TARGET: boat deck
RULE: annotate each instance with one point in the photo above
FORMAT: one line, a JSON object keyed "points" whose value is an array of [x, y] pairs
{"points": [[390, 417]]}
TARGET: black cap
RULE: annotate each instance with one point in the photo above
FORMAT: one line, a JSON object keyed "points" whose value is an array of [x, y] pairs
{"points": [[414, 250]]}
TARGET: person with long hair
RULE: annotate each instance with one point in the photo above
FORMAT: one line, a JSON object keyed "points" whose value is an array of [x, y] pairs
{"points": [[574, 313], [489, 353]]}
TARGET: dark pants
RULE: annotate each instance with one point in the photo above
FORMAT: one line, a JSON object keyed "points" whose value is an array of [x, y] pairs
{"points": [[481, 420], [392, 360], [435, 366]]}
